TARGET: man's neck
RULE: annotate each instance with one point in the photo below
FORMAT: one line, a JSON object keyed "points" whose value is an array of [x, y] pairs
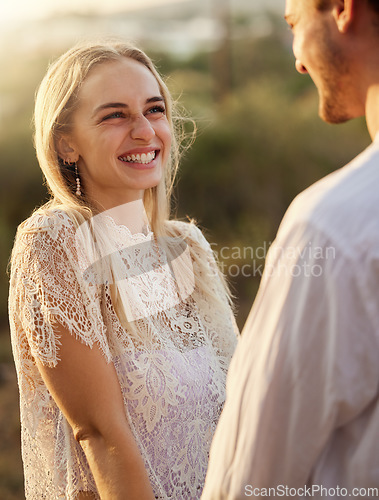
{"points": [[372, 110]]}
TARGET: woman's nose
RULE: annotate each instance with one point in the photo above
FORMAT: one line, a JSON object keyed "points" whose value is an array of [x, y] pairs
{"points": [[142, 128]]}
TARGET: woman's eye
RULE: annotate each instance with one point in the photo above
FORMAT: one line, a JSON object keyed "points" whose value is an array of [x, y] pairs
{"points": [[115, 114], [157, 109]]}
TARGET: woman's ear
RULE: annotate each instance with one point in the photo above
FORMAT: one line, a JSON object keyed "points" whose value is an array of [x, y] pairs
{"points": [[344, 14], [66, 149]]}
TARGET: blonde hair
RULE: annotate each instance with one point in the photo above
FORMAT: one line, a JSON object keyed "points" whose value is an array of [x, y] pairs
{"points": [[57, 99]]}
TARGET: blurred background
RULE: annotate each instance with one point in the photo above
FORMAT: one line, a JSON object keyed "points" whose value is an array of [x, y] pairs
{"points": [[259, 141]]}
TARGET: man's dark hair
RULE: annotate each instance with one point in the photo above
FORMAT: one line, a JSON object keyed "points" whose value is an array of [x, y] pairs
{"points": [[374, 4]]}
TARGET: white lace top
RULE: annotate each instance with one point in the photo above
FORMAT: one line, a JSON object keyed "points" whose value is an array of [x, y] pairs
{"points": [[172, 376]]}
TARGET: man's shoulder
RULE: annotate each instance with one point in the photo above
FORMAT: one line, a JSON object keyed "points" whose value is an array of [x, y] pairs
{"points": [[344, 203]]}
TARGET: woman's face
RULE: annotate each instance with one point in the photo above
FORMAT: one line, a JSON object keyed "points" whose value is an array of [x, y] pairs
{"points": [[120, 136]]}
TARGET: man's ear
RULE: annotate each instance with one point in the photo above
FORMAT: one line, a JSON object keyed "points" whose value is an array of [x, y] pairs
{"points": [[66, 149], [344, 14]]}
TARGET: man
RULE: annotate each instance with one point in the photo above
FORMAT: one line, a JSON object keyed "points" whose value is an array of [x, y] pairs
{"points": [[302, 409]]}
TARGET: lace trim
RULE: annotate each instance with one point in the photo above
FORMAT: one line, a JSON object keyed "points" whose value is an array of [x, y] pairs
{"points": [[123, 230]]}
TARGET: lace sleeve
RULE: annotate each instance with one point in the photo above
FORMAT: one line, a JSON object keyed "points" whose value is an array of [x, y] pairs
{"points": [[46, 288]]}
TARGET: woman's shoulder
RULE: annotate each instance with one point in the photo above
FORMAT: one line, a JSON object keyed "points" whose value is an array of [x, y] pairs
{"points": [[44, 229], [45, 241], [47, 221], [189, 231]]}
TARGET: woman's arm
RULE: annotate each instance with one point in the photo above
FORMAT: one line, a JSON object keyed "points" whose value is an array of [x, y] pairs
{"points": [[86, 389]]}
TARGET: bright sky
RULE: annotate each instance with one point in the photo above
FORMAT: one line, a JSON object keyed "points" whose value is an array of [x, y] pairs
{"points": [[20, 11]]}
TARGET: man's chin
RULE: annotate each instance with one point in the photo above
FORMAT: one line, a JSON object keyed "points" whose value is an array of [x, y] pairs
{"points": [[330, 114]]}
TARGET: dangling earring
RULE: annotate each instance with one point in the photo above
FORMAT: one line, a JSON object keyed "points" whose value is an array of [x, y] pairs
{"points": [[69, 163], [78, 191]]}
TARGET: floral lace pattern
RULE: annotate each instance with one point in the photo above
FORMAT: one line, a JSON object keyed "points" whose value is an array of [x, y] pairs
{"points": [[172, 376]]}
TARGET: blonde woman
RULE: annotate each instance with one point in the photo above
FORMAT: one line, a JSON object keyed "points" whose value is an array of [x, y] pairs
{"points": [[121, 325]]}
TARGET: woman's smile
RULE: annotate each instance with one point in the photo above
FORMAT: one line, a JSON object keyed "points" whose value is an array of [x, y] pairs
{"points": [[140, 159]]}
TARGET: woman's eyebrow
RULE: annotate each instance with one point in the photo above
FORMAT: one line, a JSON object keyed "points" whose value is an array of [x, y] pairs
{"points": [[112, 105], [155, 99]]}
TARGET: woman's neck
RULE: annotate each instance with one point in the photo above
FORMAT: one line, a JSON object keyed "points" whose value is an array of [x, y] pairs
{"points": [[132, 215]]}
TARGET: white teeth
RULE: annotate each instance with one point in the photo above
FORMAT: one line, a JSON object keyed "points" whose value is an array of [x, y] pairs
{"points": [[139, 158]]}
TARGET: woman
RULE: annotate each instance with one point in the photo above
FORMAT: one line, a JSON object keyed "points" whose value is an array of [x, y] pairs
{"points": [[121, 326]]}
